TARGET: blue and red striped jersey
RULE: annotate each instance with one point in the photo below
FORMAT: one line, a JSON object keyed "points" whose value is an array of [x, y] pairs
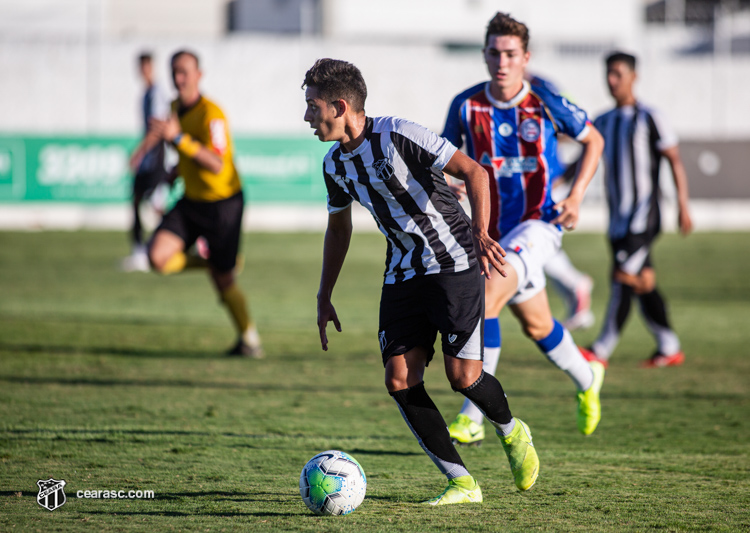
{"points": [[516, 143]]}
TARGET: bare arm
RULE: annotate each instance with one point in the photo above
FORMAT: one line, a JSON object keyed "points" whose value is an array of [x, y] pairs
{"points": [[593, 144], [489, 252], [170, 131], [335, 247], [681, 184]]}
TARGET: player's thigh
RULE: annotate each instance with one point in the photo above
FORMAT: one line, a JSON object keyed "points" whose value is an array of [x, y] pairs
{"points": [[498, 290], [530, 246], [534, 316], [454, 304], [403, 324], [403, 371]]}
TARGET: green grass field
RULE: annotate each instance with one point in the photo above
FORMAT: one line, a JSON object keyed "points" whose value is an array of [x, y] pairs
{"points": [[116, 381]]}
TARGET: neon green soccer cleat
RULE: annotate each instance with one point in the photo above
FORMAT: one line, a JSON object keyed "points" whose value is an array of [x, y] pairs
{"points": [[465, 431], [524, 462], [589, 405], [454, 493]]}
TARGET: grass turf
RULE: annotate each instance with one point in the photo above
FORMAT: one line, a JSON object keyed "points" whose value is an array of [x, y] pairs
{"points": [[116, 381]]}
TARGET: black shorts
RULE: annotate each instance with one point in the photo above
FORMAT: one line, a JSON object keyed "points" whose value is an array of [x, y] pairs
{"points": [[632, 253], [413, 311], [150, 173], [220, 223]]}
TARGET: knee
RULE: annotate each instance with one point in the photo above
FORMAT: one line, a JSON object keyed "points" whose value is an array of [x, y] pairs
{"points": [[537, 331], [157, 262], [463, 376], [395, 383]]}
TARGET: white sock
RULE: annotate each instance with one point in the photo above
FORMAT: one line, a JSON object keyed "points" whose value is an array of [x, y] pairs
{"points": [[251, 337], [561, 350]]}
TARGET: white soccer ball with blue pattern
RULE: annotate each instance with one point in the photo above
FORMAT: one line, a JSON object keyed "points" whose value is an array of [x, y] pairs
{"points": [[332, 483]]}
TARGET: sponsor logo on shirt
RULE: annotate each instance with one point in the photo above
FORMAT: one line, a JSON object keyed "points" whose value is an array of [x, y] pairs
{"points": [[505, 129], [505, 167]]}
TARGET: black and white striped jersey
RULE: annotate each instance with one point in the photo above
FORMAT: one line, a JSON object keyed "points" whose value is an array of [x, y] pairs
{"points": [[635, 137], [396, 173]]}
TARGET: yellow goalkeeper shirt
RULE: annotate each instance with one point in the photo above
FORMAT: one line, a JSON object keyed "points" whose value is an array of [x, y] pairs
{"points": [[205, 122]]}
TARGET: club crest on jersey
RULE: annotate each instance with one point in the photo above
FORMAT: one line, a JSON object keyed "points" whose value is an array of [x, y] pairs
{"points": [[530, 130], [383, 169], [505, 129], [51, 494]]}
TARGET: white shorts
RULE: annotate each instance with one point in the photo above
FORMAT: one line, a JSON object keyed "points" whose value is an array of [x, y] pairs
{"points": [[528, 247]]}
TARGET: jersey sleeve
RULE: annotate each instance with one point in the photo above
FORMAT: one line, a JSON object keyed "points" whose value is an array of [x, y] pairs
{"points": [[338, 199], [568, 117], [667, 137], [453, 129], [218, 131], [421, 147]]}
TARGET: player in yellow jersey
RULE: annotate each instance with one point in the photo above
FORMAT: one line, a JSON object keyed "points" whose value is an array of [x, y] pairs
{"points": [[213, 202]]}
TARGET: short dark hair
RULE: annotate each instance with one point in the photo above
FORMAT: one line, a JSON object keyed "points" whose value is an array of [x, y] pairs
{"points": [[145, 57], [179, 53], [337, 80], [504, 24], [621, 57]]}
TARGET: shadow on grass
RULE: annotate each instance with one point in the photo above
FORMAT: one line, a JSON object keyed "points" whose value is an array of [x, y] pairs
{"points": [[99, 382], [56, 434], [360, 451], [108, 350]]}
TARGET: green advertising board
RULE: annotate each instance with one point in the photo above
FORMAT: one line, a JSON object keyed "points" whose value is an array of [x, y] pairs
{"points": [[87, 169]]}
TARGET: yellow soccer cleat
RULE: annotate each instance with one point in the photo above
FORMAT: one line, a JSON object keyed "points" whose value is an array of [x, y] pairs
{"points": [[455, 493], [524, 462], [465, 431], [589, 405]]}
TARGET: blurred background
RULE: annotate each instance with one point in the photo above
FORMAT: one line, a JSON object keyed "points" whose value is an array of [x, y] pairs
{"points": [[70, 107]]}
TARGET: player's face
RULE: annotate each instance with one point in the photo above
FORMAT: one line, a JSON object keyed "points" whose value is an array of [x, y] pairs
{"points": [[506, 61], [322, 116], [620, 80], [147, 71], [186, 76]]}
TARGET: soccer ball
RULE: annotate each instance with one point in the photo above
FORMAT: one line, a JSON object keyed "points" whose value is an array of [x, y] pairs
{"points": [[332, 483]]}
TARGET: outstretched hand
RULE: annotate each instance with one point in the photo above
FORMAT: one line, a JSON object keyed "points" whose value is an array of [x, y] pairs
{"points": [[326, 314], [489, 253]]}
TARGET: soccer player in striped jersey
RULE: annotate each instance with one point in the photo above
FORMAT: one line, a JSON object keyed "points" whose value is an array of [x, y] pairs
{"points": [[511, 128], [150, 179], [637, 138], [434, 262]]}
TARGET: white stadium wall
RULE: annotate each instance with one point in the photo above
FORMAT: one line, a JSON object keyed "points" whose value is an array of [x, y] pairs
{"points": [[75, 72]]}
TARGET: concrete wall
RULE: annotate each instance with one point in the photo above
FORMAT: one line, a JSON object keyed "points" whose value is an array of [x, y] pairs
{"points": [[92, 86]]}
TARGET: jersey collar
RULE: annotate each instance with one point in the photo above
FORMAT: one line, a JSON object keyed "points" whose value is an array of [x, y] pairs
{"points": [[513, 102]]}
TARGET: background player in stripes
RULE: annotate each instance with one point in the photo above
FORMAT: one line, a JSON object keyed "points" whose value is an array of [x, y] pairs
{"points": [[213, 203], [510, 128], [637, 138], [434, 261], [150, 176]]}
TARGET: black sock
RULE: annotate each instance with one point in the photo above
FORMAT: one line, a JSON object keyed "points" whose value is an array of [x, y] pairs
{"points": [[427, 424], [655, 308], [487, 394]]}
